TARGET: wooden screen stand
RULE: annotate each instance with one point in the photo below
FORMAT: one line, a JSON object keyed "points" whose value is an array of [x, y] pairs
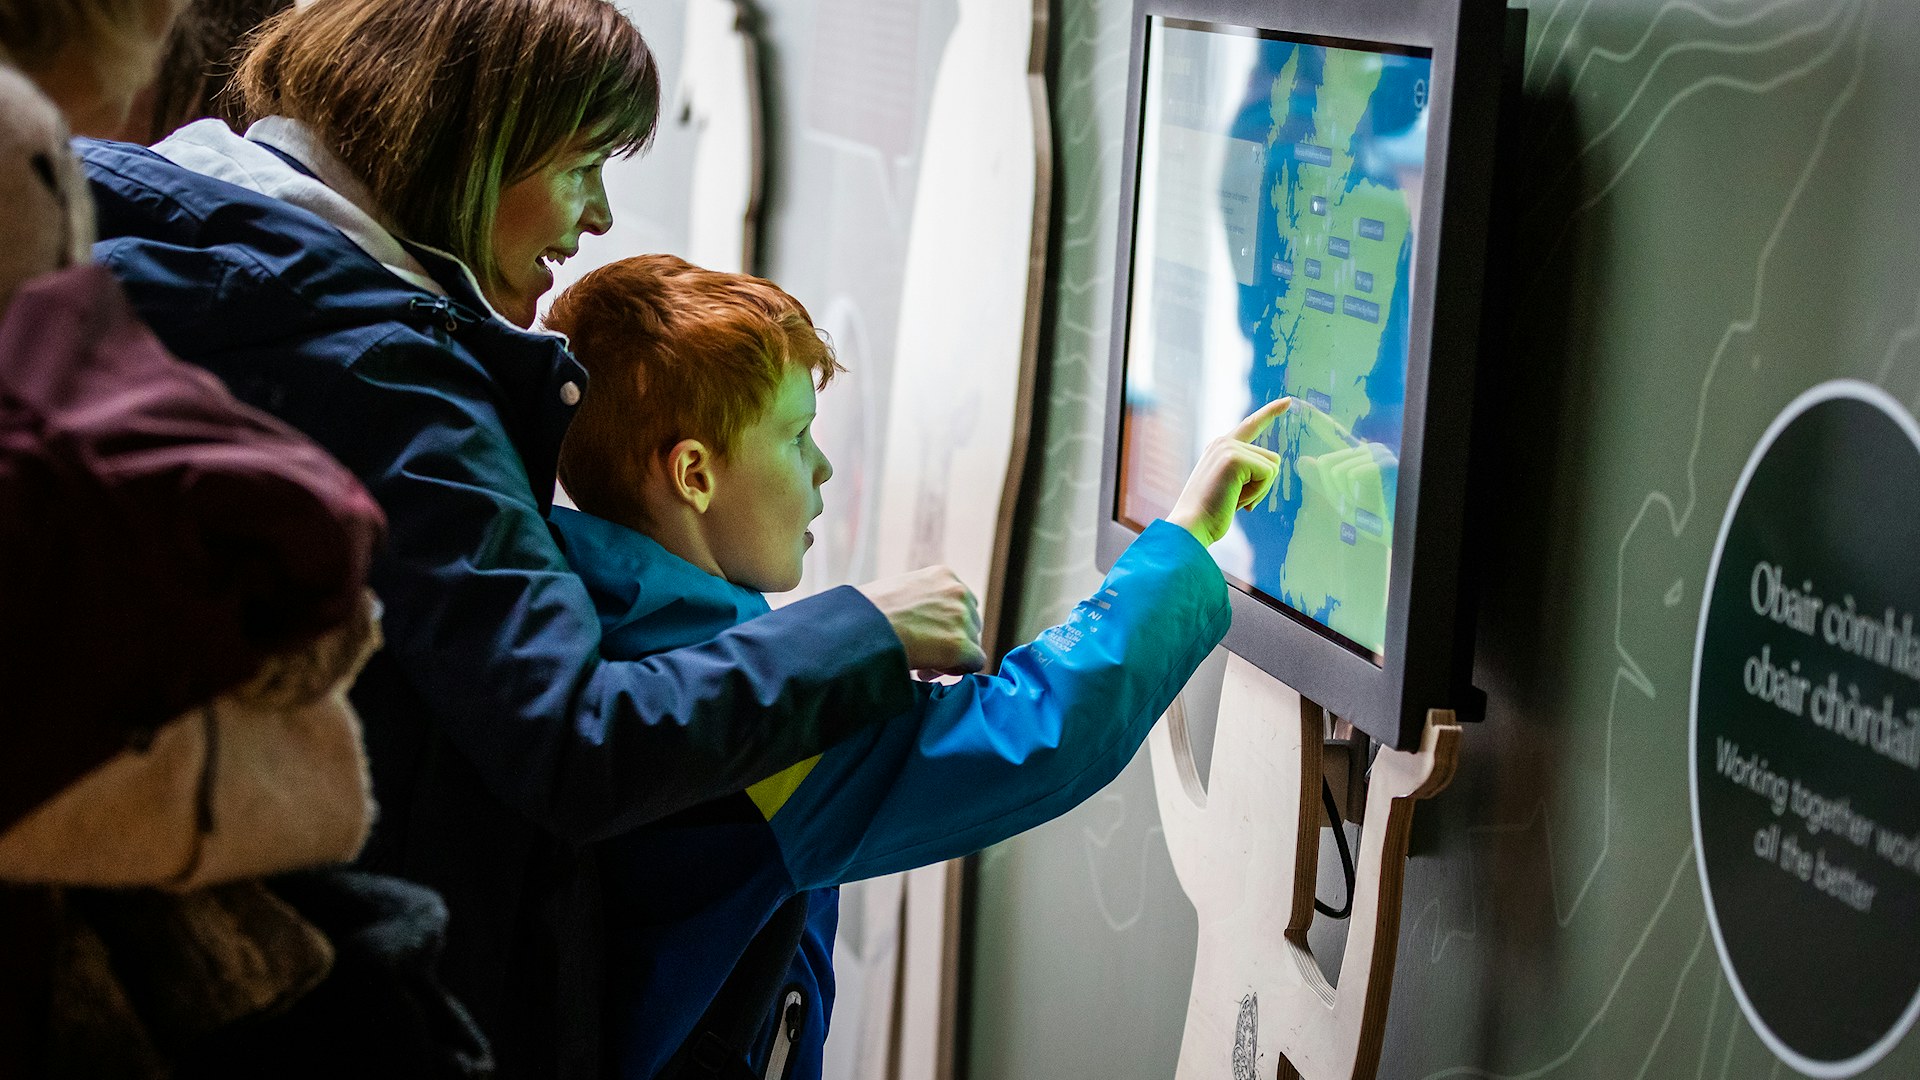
{"points": [[1245, 847]]}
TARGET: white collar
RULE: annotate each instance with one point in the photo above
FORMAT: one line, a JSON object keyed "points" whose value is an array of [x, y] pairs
{"points": [[338, 197], [210, 148]]}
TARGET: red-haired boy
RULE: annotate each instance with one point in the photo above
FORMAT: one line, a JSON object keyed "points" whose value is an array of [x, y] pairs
{"points": [[693, 460]]}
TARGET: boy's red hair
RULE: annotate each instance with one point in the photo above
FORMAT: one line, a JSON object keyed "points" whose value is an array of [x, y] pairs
{"points": [[673, 352]]}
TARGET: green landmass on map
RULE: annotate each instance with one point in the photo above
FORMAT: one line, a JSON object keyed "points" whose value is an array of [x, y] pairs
{"points": [[1328, 356]]}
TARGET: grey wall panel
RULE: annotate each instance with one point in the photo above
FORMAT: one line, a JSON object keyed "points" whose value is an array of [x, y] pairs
{"points": [[1714, 213], [1084, 941]]}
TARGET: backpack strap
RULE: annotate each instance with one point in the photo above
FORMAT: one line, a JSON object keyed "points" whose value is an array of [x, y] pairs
{"points": [[724, 1039]]}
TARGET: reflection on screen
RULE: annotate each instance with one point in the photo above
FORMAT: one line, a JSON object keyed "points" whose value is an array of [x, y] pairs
{"points": [[1279, 195]]}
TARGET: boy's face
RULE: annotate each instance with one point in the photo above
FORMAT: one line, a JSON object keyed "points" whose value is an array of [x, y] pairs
{"points": [[767, 490]]}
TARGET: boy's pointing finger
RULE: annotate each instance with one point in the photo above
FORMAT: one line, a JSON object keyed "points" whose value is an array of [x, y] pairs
{"points": [[1254, 425]]}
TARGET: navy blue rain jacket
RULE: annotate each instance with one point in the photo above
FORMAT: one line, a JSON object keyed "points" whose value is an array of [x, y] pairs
{"points": [[973, 763], [500, 738]]}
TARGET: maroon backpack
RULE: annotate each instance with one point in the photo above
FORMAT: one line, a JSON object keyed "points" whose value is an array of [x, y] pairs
{"points": [[158, 539]]}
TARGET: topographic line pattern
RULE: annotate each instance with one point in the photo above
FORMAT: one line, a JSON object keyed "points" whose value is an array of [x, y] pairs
{"points": [[1841, 26]]}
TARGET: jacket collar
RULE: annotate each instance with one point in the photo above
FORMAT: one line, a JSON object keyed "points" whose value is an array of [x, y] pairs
{"points": [[649, 599], [320, 183], [220, 194], [327, 189]]}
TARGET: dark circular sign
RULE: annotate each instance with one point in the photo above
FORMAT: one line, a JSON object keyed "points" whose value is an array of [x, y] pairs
{"points": [[1806, 731]]}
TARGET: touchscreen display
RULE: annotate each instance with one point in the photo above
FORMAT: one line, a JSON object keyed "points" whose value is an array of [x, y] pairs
{"points": [[1278, 200]]}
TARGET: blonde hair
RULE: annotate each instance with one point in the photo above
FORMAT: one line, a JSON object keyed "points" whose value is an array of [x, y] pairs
{"points": [[196, 72], [436, 105], [114, 32]]}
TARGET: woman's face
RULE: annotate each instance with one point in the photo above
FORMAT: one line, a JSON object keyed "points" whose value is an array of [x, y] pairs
{"points": [[539, 221]]}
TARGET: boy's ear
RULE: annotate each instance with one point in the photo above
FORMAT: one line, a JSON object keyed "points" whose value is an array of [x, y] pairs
{"points": [[690, 473]]}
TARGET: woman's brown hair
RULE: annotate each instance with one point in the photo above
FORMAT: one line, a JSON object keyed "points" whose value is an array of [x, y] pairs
{"points": [[436, 105]]}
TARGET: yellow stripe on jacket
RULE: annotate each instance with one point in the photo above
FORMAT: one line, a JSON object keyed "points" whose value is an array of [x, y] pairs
{"points": [[772, 793]]}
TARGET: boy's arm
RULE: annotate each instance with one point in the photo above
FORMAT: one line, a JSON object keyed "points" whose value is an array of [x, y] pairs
{"points": [[988, 757], [500, 637]]}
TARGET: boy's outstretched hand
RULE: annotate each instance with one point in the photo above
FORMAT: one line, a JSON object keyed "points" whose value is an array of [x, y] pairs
{"points": [[935, 616], [1233, 474]]}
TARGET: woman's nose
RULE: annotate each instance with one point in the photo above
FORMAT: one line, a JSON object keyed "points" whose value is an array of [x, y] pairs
{"points": [[597, 216]]}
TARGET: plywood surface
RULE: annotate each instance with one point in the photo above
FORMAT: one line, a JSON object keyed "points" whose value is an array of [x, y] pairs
{"points": [[1245, 847]]}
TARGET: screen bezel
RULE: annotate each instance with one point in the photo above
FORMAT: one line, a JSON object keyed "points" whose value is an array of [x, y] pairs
{"points": [[1377, 659], [1421, 666]]}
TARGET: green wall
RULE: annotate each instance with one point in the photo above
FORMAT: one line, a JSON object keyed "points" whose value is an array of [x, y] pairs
{"points": [[1716, 208]]}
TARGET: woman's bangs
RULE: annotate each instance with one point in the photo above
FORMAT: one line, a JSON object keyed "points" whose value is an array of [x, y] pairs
{"points": [[624, 106], [625, 103]]}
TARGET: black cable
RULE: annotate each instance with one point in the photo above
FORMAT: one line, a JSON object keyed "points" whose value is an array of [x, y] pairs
{"points": [[1346, 853]]}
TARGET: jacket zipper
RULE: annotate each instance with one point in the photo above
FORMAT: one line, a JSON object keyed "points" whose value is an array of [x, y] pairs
{"points": [[439, 305], [793, 1010]]}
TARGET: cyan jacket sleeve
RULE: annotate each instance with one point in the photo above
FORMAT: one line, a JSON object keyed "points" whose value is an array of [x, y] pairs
{"points": [[500, 637], [987, 757]]}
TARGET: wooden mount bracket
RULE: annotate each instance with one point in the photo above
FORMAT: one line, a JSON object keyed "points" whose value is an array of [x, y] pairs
{"points": [[1245, 847], [1343, 763]]}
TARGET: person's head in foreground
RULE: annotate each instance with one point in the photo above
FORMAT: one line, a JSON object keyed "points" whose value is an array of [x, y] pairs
{"points": [[194, 72], [479, 127], [697, 427], [91, 57]]}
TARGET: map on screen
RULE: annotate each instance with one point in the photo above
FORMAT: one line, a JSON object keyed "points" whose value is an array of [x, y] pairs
{"points": [[1278, 198]]}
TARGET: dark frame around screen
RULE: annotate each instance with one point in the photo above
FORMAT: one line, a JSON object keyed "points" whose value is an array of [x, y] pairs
{"points": [[1425, 662]]}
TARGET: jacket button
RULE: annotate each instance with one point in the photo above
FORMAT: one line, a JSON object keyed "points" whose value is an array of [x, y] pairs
{"points": [[569, 393]]}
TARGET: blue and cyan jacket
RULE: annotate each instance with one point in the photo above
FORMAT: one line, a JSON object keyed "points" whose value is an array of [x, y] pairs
{"points": [[969, 764], [502, 739]]}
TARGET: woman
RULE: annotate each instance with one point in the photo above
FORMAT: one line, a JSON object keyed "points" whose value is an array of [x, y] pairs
{"points": [[365, 263]]}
